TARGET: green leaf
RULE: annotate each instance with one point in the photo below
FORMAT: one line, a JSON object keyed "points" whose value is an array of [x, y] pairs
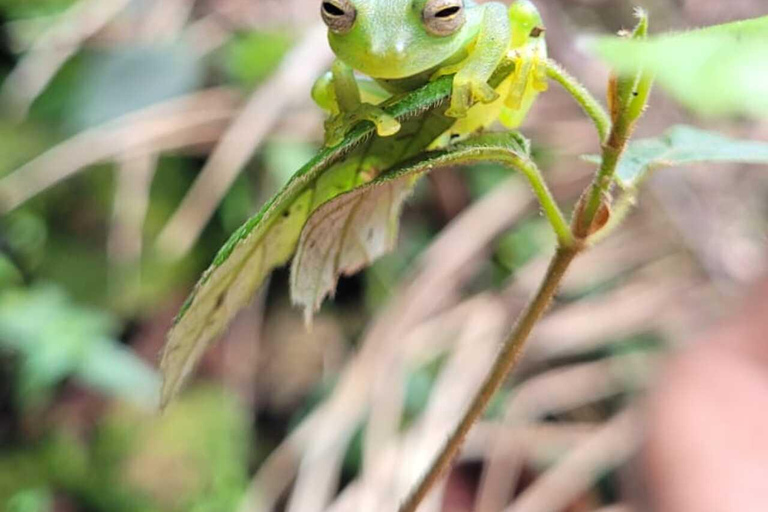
{"points": [[117, 371], [250, 58], [269, 239], [682, 145], [56, 339], [718, 70], [31, 500], [192, 458], [15, 9], [350, 231]]}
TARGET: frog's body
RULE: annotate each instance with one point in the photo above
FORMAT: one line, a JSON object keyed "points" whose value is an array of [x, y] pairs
{"points": [[403, 44]]}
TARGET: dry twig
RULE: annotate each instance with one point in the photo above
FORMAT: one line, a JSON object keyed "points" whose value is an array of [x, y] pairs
{"points": [[181, 122], [576, 473]]}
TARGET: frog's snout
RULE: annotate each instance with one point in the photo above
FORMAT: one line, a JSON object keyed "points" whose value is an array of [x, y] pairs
{"points": [[390, 51]]}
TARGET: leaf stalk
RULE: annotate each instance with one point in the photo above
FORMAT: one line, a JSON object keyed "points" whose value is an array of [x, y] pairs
{"points": [[583, 97]]}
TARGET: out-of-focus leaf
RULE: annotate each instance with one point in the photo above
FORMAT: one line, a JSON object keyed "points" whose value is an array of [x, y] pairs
{"points": [[527, 240], [81, 269], [193, 457], [10, 275], [114, 369], [481, 178], [32, 8], [26, 235], [22, 246], [283, 157], [718, 70], [121, 81], [57, 339], [31, 500], [19, 144], [237, 205], [682, 145], [249, 59]]}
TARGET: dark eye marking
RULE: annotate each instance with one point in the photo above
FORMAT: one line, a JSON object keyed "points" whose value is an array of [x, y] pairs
{"points": [[332, 10], [448, 12]]}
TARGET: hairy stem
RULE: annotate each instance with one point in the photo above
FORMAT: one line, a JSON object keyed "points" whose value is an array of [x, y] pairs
{"points": [[588, 103], [506, 360], [548, 203], [612, 151], [496, 148], [628, 101]]}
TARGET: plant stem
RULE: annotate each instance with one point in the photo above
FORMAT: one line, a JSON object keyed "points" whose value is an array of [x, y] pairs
{"points": [[508, 357], [588, 103], [612, 151], [548, 203], [467, 152], [627, 103]]}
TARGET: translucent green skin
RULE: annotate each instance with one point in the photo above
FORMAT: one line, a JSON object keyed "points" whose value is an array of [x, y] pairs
{"points": [[390, 44], [389, 41]]}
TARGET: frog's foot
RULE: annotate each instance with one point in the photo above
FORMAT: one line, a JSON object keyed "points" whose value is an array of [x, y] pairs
{"points": [[339, 125], [529, 79], [467, 92]]}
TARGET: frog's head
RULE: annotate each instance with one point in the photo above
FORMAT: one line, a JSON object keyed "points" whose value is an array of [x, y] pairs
{"points": [[398, 38]]}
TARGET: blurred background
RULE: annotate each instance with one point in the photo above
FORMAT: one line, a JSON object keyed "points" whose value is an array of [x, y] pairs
{"points": [[136, 135]]}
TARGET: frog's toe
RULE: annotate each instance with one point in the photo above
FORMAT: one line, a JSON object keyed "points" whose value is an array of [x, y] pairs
{"points": [[467, 93], [461, 100], [483, 92], [338, 126], [386, 125]]}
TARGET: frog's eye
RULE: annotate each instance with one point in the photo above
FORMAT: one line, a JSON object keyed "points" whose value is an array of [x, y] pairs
{"points": [[339, 15], [443, 17]]}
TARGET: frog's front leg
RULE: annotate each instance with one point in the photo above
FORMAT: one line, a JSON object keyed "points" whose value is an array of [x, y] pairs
{"points": [[339, 94], [470, 84]]}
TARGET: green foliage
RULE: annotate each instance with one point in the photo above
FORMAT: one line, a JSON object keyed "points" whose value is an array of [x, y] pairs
{"points": [[18, 144], [33, 8], [269, 239], [10, 274], [31, 500], [519, 246], [717, 70], [27, 234], [250, 58], [682, 145], [56, 339], [23, 236], [194, 457], [283, 157]]}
